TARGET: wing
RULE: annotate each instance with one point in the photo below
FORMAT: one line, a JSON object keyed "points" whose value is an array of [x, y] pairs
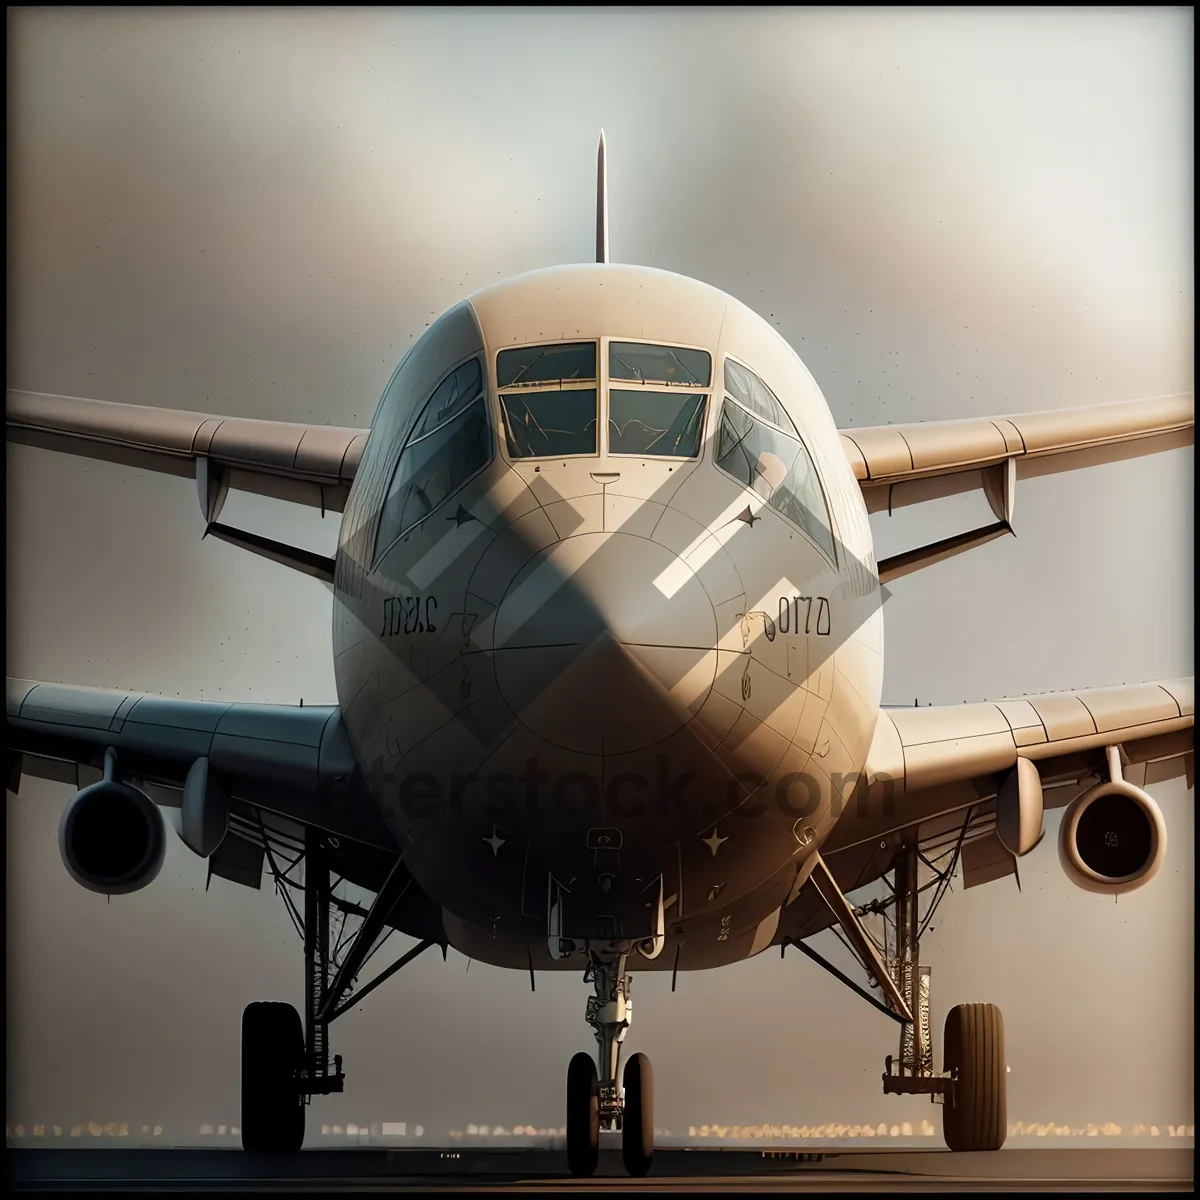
{"points": [[307, 464], [936, 772], [294, 762], [907, 464]]}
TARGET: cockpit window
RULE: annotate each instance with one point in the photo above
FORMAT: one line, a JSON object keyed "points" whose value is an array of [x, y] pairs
{"points": [[531, 365], [664, 424], [642, 363], [775, 463], [648, 419], [449, 443], [550, 424], [746, 387], [548, 399], [452, 395]]}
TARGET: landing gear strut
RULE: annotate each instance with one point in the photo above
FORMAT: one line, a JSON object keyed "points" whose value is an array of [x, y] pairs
{"points": [[285, 1060], [972, 1088], [595, 1099]]}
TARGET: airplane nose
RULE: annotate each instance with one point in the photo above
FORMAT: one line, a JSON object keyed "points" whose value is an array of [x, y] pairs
{"points": [[591, 655]]}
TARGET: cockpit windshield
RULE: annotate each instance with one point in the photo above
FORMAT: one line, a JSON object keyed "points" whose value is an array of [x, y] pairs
{"points": [[655, 423], [657, 418], [550, 424], [656, 405], [448, 444], [638, 362], [772, 461], [548, 399], [750, 391]]}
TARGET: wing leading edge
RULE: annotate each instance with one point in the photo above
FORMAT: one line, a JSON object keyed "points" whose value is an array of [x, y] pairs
{"points": [[897, 465], [927, 762], [934, 774], [306, 464], [295, 762]]}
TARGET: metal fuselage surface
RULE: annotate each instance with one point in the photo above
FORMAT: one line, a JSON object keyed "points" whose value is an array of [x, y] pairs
{"points": [[588, 688]]}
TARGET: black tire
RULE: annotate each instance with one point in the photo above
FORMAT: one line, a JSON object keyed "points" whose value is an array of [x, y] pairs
{"points": [[583, 1115], [975, 1114], [637, 1122], [272, 1054]]}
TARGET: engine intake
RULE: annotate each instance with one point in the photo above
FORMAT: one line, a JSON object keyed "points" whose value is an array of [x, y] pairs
{"points": [[1113, 838], [112, 838]]}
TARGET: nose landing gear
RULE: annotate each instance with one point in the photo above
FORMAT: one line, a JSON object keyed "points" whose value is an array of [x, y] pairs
{"points": [[583, 1115], [595, 1100], [637, 1121]]}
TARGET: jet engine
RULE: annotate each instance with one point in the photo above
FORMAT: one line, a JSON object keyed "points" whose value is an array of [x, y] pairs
{"points": [[1113, 838], [112, 838]]}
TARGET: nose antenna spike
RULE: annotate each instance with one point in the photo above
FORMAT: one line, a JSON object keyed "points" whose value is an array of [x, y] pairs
{"points": [[601, 202]]}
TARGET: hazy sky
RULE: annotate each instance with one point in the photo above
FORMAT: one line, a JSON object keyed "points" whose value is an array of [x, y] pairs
{"points": [[254, 213]]}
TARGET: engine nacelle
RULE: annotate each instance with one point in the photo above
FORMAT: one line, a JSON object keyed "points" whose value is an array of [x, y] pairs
{"points": [[1113, 838], [112, 838]]}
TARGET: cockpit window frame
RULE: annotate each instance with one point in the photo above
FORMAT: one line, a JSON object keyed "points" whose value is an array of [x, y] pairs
{"points": [[602, 386], [660, 384], [663, 387], [790, 431], [382, 551], [526, 389]]}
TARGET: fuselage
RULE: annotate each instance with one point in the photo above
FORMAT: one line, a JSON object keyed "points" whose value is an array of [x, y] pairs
{"points": [[607, 633]]}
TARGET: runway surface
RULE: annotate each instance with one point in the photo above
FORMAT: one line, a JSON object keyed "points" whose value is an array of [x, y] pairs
{"points": [[673, 1170]]}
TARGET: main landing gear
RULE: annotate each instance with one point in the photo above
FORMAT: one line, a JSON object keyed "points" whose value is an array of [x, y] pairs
{"points": [[272, 1063], [595, 1100], [285, 1060], [972, 1087]]}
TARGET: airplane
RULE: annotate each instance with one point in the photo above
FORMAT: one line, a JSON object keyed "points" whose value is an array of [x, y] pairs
{"points": [[608, 640]]}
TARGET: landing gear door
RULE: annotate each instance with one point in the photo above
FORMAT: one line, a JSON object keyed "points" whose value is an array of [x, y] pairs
{"points": [[652, 946], [558, 945]]}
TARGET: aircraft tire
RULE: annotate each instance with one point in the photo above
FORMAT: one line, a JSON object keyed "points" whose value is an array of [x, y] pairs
{"points": [[975, 1114], [637, 1123], [583, 1115], [272, 1104]]}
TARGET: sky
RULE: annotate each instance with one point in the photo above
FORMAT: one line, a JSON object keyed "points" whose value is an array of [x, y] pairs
{"points": [[254, 213]]}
